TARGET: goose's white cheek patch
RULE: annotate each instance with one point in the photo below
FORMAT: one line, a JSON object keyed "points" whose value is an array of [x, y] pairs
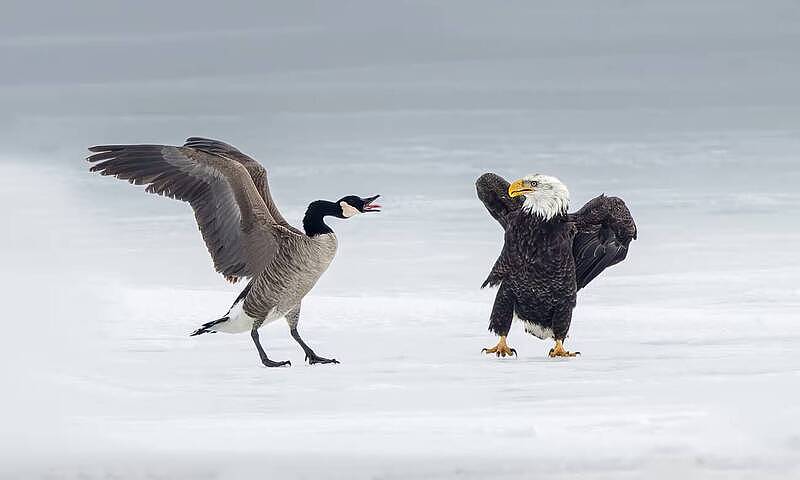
{"points": [[348, 210]]}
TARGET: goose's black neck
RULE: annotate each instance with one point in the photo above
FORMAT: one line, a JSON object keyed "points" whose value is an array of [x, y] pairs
{"points": [[313, 221]]}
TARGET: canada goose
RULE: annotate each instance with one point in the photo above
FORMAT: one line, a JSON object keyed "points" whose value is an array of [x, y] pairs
{"points": [[548, 254], [245, 233]]}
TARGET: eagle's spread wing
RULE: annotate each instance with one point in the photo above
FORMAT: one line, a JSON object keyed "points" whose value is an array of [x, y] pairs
{"points": [[605, 228], [493, 192], [256, 170], [239, 230]]}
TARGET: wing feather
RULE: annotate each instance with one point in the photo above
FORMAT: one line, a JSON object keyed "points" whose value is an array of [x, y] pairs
{"points": [[605, 229], [235, 223], [493, 192], [256, 170]]}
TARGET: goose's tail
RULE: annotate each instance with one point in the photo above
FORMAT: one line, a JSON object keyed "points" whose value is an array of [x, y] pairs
{"points": [[235, 321], [207, 327]]}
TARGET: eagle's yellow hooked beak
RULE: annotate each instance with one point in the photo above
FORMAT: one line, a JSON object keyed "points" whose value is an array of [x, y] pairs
{"points": [[520, 187]]}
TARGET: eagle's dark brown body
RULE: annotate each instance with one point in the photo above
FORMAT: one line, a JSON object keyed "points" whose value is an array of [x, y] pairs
{"points": [[536, 274]]}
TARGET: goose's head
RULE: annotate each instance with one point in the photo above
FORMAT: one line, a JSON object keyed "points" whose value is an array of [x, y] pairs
{"points": [[345, 207], [545, 195], [352, 205]]}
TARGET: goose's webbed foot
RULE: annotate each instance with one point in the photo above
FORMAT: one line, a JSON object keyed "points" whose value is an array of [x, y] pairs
{"points": [[263, 355], [313, 358], [272, 363]]}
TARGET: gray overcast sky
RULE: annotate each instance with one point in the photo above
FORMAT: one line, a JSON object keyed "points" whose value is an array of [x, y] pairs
{"points": [[612, 65]]}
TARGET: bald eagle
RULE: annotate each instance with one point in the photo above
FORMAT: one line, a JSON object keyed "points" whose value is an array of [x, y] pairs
{"points": [[548, 254]]}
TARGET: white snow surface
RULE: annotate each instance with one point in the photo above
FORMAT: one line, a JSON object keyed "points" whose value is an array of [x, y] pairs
{"points": [[689, 364]]}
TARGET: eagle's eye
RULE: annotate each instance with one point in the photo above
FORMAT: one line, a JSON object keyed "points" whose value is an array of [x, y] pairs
{"points": [[534, 183]]}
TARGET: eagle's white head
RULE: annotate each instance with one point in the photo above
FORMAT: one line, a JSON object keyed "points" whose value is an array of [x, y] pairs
{"points": [[545, 196]]}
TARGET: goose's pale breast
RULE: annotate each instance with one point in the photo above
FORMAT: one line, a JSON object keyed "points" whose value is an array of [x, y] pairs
{"points": [[293, 272]]}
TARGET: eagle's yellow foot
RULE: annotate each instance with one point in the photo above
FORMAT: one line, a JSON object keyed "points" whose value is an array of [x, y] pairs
{"points": [[559, 351], [501, 349]]}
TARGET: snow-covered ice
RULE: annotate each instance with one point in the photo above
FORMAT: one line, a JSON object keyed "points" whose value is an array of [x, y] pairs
{"points": [[688, 362]]}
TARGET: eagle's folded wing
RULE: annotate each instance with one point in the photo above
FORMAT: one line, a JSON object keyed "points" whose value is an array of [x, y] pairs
{"points": [[605, 229]]}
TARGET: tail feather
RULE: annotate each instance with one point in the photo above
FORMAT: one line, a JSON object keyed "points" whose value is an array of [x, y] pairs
{"points": [[236, 325], [206, 327]]}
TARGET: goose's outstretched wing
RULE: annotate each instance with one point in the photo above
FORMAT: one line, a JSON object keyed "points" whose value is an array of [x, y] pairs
{"points": [[239, 230], [493, 192], [605, 229], [256, 170]]}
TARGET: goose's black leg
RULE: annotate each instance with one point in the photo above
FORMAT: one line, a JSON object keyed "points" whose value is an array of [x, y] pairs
{"points": [[310, 355], [293, 318], [264, 359]]}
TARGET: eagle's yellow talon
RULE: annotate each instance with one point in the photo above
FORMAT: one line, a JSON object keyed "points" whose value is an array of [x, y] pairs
{"points": [[501, 349], [559, 351]]}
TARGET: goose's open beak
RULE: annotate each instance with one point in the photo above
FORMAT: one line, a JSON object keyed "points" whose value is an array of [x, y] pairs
{"points": [[520, 187], [369, 206]]}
